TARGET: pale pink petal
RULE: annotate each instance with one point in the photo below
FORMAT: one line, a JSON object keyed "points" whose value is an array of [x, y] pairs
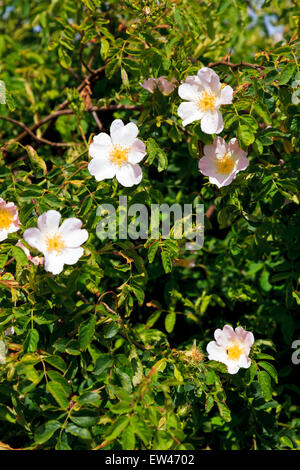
{"points": [[76, 238], [244, 361], [115, 126], [3, 234], [212, 122], [224, 180], [209, 79], [129, 174], [149, 84], [101, 169], [216, 352], [35, 238], [245, 337], [217, 148], [69, 225], [54, 263], [226, 95], [72, 255], [225, 336], [102, 139], [189, 112], [137, 151], [214, 180], [125, 135], [193, 80], [100, 151], [165, 87], [243, 163], [232, 367], [72, 234], [49, 221], [188, 92], [207, 166]]}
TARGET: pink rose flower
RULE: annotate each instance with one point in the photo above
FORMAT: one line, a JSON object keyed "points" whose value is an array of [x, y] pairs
{"points": [[231, 347], [165, 86], [222, 162]]}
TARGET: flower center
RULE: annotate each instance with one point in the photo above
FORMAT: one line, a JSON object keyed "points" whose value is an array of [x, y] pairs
{"points": [[234, 352], [119, 155], [6, 218], [55, 243], [206, 101], [225, 164]]}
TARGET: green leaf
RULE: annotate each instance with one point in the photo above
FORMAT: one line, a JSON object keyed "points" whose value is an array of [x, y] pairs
{"points": [[58, 393], [104, 48], [287, 73], [64, 58], [31, 341], [166, 261], [103, 362], [78, 431], [265, 384], [245, 135], [37, 163], [209, 403], [56, 361], [170, 321], [270, 369], [116, 428], [128, 439], [152, 250], [19, 255], [224, 412], [46, 431], [141, 428], [86, 332], [263, 112], [6, 414], [177, 374], [87, 398]]}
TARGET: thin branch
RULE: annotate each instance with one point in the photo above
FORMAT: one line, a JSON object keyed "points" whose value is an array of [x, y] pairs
{"points": [[41, 140], [55, 115], [234, 66]]}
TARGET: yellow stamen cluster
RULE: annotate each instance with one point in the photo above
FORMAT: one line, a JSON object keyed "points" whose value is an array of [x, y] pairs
{"points": [[234, 352], [119, 155], [6, 219], [206, 101], [55, 243], [225, 164]]}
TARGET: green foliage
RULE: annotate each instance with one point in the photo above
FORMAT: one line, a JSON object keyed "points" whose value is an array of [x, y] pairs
{"points": [[111, 353]]}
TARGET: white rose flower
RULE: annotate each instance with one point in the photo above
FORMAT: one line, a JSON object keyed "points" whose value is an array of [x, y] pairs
{"points": [[59, 245], [9, 219], [203, 95], [117, 154], [232, 347]]}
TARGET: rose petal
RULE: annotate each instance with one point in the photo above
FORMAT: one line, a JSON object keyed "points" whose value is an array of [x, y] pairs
{"points": [[129, 174], [209, 79], [188, 92], [101, 169], [212, 122], [125, 135], [49, 221], [35, 238], [189, 112], [54, 263], [137, 151]]}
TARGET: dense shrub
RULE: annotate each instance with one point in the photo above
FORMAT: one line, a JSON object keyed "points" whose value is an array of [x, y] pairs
{"points": [[110, 352]]}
